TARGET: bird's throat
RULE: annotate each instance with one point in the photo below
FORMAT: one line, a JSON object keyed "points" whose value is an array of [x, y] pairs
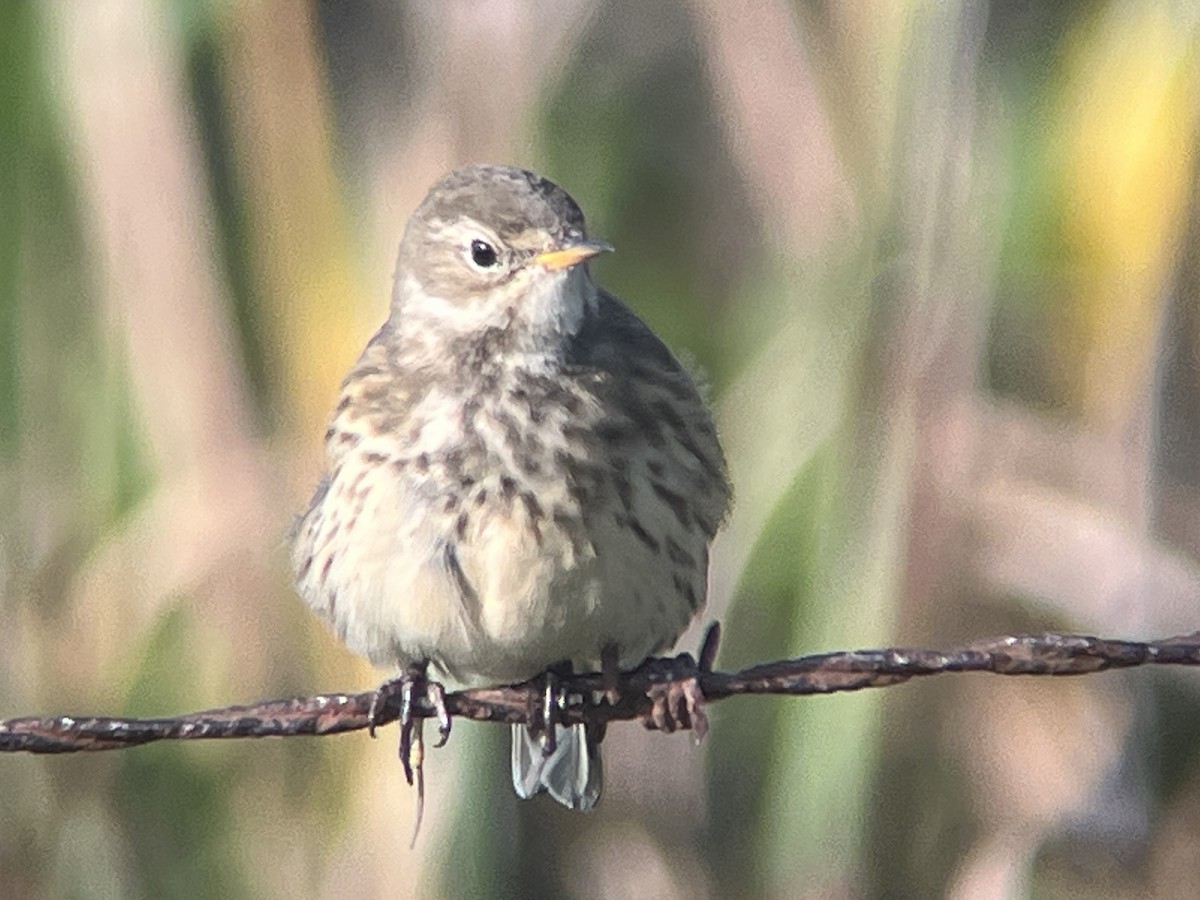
{"points": [[492, 334]]}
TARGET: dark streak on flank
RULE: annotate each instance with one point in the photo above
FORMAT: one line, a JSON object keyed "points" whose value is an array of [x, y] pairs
{"points": [[676, 502], [532, 506], [684, 586], [465, 590], [642, 534], [528, 463], [509, 425], [534, 509], [572, 527], [624, 487], [508, 488], [678, 555]]}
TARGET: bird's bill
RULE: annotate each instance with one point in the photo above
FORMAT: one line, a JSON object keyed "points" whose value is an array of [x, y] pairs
{"points": [[565, 257]]}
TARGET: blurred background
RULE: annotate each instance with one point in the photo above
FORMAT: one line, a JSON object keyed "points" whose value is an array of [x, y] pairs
{"points": [[941, 265]]}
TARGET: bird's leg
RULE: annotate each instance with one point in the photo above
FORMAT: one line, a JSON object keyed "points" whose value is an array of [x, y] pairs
{"points": [[542, 723], [404, 689], [678, 701]]}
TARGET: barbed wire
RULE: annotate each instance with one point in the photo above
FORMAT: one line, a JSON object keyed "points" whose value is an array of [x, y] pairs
{"points": [[660, 693]]}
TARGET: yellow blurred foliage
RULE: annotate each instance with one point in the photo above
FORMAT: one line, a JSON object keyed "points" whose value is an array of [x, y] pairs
{"points": [[1128, 118]]}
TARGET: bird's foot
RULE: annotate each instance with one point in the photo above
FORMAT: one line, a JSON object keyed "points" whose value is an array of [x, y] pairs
{"points": [[677, 701], [402, 692]]}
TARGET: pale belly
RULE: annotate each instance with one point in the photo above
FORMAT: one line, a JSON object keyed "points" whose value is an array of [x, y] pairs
{"points": [[495, 579]]}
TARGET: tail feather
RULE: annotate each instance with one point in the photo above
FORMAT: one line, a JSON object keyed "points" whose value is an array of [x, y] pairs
{"points": [[572, 774]]}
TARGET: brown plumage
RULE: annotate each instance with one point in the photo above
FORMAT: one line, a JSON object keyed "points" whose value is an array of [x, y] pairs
{"points": [[519, 471]]}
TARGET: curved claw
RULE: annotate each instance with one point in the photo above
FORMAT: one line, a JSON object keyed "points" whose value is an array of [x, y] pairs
{"points": [[435, 693], [380, 699]]}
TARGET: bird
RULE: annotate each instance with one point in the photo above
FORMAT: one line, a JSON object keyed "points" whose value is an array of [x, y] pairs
{"points": [[519, 474]]}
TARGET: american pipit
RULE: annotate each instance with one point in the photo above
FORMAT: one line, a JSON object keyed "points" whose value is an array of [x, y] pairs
{"points": [[520, 474]]}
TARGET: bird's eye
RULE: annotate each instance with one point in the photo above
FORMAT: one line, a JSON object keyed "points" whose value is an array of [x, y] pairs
{"points": [[483, 254]]}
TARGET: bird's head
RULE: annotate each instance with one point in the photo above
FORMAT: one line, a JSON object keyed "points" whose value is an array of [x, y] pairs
{"points": [[494, 247]]}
